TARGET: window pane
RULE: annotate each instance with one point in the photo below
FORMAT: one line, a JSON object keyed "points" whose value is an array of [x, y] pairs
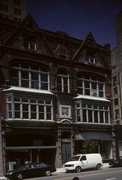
{"points": [[25, 115], [41, 116], [101, 117], [17, 114], [17, 106], [106, 117], [24, 75], [24, 83], [84, 115], [44, 77], [89, 116], [96, 116], [48, 116]]}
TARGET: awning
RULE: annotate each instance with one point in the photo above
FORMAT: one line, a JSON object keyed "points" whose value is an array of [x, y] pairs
{"points": [[93, 135], [29, 147]]}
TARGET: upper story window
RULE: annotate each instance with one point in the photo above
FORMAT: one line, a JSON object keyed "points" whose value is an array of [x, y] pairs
{"points": [[89, 113], [29, 76], [90, 60], [29, 108], [3, 7], [114, 81], [17, 2], [91, 85], [17, 11], [30, 45], [63, 82]]}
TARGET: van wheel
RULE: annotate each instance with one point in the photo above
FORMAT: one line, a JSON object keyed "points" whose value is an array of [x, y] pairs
{"points": [[98, 166], [78, 169]]}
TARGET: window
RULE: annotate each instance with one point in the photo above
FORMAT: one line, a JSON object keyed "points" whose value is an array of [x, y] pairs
{"points": [[65, 111], [63, 82], [30, 77], [116, 112], [114, 80], [116, 102], [90, 60], [3, 7], [90, 85], [17, 2], [87, 113], [115, 91], [30, 45], [29, 108], [17, 11]]}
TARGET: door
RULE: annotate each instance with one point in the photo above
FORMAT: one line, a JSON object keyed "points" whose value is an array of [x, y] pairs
{"points": [[66, 151], [84, 162]]}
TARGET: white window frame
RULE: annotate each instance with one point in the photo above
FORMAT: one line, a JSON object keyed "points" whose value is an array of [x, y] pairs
{"points": [[92, 92], [29, 70], [29, 102], [80, 108], [31, 45], [62, 76]]}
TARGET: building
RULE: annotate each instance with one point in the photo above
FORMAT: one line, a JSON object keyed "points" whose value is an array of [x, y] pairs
{"points": [[116, 63], [13, 9], [55, 94]]}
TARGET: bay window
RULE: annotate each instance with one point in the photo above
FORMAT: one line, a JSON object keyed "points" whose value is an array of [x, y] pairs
{"points": [[29, 108], [87, 113]]}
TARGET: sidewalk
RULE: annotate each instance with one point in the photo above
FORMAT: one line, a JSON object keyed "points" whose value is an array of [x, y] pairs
{"points": [[61, 170]]}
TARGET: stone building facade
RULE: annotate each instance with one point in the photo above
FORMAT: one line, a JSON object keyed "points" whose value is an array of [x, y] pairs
{"points": [[55, 93], [116, 64]]}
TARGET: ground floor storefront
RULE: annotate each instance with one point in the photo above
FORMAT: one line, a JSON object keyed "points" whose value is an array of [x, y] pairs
{"points": [[35, 144], [55, 144], [71, 140]]}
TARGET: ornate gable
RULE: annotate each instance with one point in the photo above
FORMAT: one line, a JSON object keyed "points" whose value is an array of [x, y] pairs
{"points": [[29, 37], [89, 53]]}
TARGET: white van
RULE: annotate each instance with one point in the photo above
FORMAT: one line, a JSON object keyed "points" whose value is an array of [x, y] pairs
{"points": [[84, 161]]}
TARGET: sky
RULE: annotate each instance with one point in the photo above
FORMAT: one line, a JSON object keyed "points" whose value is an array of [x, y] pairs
{"points": [[78, 17]]}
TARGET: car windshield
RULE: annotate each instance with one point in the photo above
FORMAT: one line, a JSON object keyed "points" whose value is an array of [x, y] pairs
{"points": [[75, 158]]}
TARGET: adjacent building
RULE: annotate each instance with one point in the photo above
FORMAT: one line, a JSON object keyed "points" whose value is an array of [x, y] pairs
{"points": [[13, 9], [116, 63], [55, 93]]}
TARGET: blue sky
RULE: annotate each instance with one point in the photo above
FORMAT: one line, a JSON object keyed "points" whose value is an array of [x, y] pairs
{"points": [[78, 17]]}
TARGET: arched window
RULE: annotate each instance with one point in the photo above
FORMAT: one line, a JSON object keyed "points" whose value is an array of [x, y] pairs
{"points": [[30, 76], [63, 82]]}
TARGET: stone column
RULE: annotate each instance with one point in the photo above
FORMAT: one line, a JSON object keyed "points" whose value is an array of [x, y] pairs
{"points": [[58, 152]]}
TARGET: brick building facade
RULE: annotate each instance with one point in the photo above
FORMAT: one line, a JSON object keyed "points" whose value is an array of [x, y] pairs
{"points": [[55, 94]]}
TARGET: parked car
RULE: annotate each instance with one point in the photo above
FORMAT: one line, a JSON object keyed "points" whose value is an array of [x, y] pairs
{"points": [[31, 170], [84, 161], [115, 163]]}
